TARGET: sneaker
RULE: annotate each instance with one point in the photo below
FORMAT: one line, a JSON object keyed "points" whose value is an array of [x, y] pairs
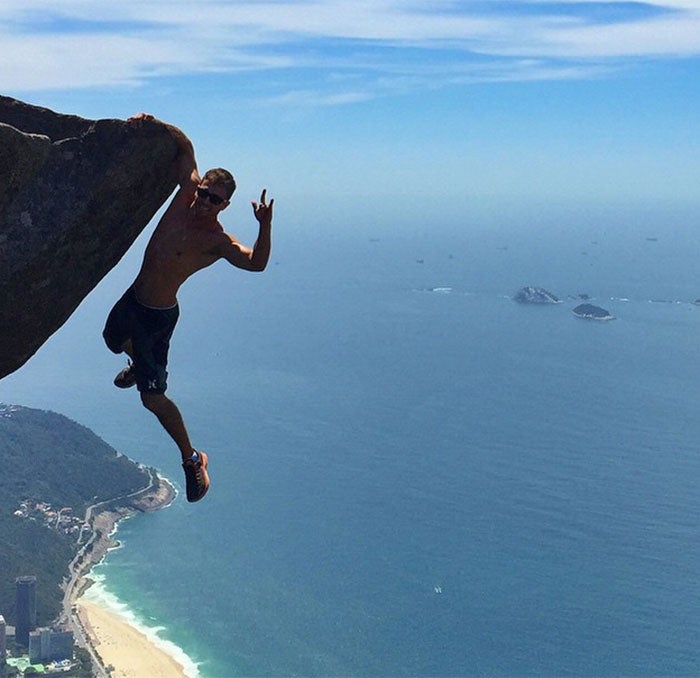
{"points": [[127, 377], [197, 477]]}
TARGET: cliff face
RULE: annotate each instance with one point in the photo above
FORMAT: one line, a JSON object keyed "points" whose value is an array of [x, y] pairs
{"points": [[74, 195]]}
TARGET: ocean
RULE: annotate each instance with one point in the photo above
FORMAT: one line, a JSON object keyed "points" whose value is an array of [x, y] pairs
{"points": [[413, 475]]}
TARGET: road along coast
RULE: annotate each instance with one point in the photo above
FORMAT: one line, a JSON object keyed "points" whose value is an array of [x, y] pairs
{"points": [[118, 648]]}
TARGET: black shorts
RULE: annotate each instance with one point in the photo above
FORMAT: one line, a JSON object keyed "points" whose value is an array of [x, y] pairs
{"points": [[150, 330]]}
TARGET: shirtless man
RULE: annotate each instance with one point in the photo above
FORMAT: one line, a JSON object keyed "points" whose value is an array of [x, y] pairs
{"points": [[188, 238]]}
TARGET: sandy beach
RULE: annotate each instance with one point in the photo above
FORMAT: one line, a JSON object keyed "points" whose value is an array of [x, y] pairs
{"points": [[128, 650]]}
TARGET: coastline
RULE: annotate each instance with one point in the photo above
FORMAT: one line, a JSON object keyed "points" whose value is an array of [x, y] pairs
{"points": [[124, 650], [120, 648]]}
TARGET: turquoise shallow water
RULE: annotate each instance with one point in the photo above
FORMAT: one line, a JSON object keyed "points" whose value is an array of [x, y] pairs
{"points": [[412, 474]]}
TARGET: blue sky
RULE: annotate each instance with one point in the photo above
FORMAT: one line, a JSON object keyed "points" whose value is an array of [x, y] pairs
{"points": [[394, 107]]}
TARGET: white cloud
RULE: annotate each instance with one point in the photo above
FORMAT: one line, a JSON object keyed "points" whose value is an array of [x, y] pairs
{"points": [[320, 98], [86, 43]]}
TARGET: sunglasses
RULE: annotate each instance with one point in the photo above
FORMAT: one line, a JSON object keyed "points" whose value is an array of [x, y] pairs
{"points": [[212, 197]]}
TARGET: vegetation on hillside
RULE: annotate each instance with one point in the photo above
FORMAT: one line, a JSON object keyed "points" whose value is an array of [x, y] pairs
{"points": [[46, 457]]}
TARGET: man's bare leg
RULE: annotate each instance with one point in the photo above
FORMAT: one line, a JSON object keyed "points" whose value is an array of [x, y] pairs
{"points": [[196, 475], [170, 418]]}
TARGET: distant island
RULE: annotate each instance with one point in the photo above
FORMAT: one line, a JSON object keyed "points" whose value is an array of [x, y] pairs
{"points": [[591, 312], [535, 295]]}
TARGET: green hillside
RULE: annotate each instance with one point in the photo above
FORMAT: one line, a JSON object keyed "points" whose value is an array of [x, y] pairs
{"points": [[46, 457]]}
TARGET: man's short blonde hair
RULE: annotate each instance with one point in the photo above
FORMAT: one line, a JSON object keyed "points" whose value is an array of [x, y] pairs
{"points": [[223, 178]]}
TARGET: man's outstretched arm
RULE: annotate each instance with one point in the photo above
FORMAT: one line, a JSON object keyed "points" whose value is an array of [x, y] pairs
{"points": [[253, 259], [188, 175]]}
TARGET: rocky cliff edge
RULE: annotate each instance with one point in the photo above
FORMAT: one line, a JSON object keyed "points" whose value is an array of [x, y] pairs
{"points": [[74, 195]]}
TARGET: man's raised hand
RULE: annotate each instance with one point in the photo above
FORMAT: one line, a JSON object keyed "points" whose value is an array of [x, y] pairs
{"points": [[263, 210]]}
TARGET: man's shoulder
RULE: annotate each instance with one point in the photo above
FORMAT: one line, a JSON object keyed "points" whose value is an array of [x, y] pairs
{"points": [[224, 236], [217, 242], [219, 237]]}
